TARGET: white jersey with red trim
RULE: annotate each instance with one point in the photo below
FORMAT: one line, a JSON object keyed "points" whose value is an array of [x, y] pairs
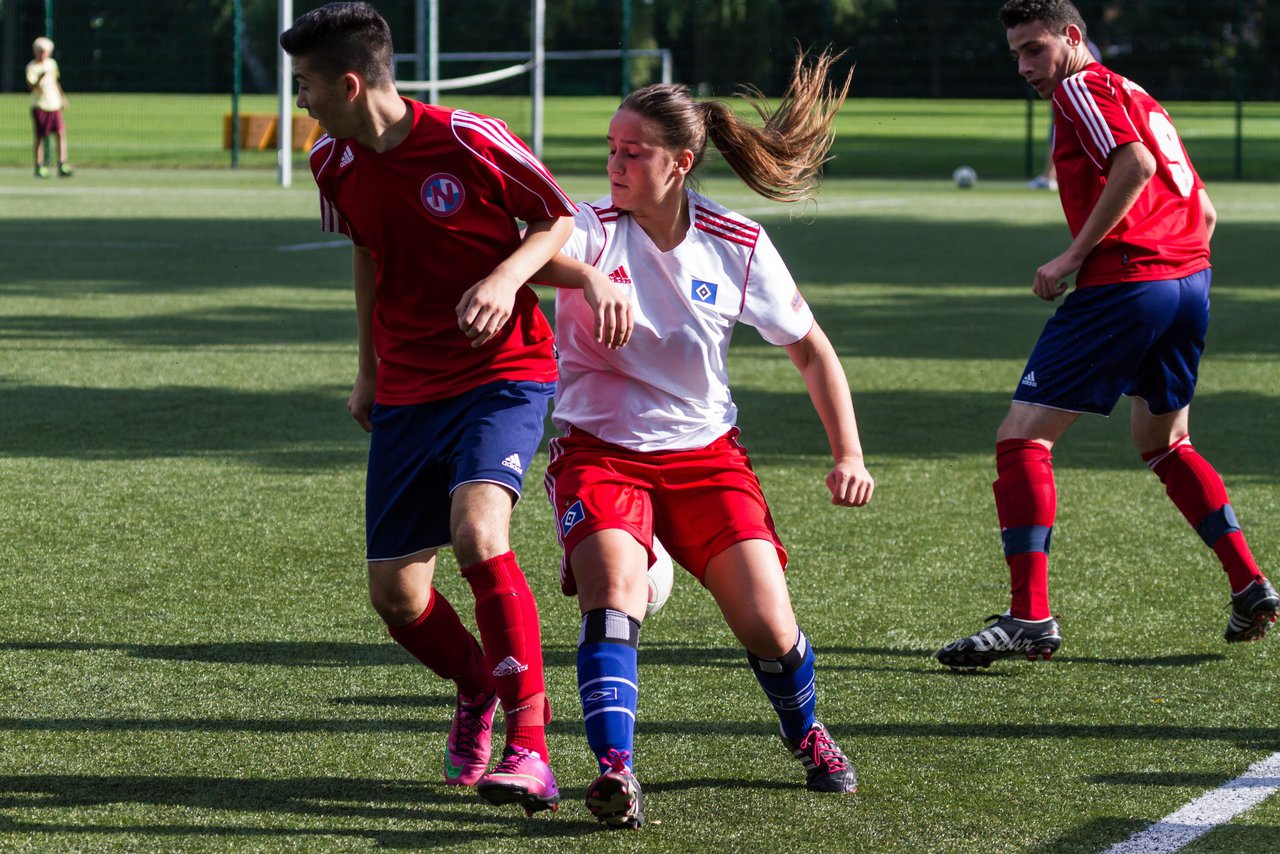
{"points": [[1163, 235], [668, 388]]}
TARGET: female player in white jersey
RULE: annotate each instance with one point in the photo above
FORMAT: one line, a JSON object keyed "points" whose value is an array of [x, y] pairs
{"points": [[649, 445]]}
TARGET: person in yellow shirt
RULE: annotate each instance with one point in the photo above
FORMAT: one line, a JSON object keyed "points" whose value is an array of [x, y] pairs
{"points": [[47, 103]]}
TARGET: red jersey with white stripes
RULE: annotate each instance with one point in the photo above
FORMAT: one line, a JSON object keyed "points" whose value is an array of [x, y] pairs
{"points": [[1163, 236], [668, 389], [438, 213]]}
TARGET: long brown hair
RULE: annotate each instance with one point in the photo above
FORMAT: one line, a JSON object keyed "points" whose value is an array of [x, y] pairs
{"points": [[781, 160]]}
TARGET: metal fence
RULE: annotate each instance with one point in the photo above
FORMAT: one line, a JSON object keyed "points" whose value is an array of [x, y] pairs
{"points": [[151, 83]]}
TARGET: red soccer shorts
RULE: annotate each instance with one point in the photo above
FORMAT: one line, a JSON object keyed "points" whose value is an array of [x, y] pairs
{"points": [[698, 502]]}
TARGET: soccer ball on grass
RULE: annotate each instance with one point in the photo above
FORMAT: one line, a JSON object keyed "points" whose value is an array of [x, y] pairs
{"points": [[965, 177]]}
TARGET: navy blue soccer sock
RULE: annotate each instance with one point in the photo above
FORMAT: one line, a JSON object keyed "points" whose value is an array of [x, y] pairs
{"points": [[789, 684], [608, 680]]}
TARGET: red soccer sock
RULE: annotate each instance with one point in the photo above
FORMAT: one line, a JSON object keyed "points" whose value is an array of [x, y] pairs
{"points": [[1026, 503], [1197, 490], [440, 641], [508, 619]]}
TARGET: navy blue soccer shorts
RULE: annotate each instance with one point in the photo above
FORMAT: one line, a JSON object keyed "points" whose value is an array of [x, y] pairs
{"points": [[1142, 339], [420, 453]]}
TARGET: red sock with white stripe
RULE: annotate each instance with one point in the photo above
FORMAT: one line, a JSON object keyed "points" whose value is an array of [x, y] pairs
{"points": [[440, 641], [1197, 490], [508, 619], [1026, 503]]}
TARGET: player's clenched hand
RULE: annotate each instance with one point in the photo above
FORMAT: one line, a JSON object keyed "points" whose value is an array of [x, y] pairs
{"points": [[612, 309], [1049, 284], [360, 402], [485, 308], [850, 483]]}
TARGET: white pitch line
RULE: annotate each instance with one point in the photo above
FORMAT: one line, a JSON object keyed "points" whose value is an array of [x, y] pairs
{"points": [[1206, 812], [821, 206], [307, 247], [145, 245]]}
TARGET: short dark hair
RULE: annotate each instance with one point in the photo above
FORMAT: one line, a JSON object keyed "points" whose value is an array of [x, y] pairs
{"points": [[1054, 14], [342, 37]]}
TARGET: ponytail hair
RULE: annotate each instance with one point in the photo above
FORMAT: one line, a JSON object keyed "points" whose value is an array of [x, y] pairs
{"points": [[781, 160]]}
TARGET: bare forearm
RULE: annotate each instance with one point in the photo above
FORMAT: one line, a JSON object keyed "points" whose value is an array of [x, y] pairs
{"points": [[824, 378], [564, 272], [542, 242], [363, 275], [1131, 168]]}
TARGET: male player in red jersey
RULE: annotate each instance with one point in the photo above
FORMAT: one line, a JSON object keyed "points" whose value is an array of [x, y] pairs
{"points": [[1135, 325], [455, 372]]}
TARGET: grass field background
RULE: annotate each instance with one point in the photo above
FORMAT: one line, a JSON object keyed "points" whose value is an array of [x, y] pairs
{"points": [[876, 137], [188, 661]]}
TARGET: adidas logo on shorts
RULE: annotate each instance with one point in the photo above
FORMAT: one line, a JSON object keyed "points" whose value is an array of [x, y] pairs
{"points": [[1030, 379], [513, 462]]}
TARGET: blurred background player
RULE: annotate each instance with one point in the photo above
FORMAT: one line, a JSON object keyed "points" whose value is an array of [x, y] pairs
{"points": [[455, 373], [1135, 325], [649, 445], [47, 104]]}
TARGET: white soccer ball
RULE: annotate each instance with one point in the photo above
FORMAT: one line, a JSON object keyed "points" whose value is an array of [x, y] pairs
{"points": [[661, 577], [965, 177]]}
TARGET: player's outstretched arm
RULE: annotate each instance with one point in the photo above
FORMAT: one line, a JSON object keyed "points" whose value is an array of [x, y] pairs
{"points": [[1130, 168], [360, 403], [850, 483], [487, 305], [609, 304]]}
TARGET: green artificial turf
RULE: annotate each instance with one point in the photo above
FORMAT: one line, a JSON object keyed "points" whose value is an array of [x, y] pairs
{"points": [[188, 661]]}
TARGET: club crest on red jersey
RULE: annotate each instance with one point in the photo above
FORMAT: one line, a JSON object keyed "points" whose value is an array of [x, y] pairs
{"points": [[442, 194]]}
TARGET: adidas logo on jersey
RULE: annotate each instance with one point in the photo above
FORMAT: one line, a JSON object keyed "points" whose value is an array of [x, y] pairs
{"points": [[347, 156], [513, 462], [509, 667], [619, 276], [1030, 379]]}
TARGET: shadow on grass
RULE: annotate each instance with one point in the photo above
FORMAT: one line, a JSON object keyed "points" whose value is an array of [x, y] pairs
{"points": [[324, 799], [1101, 833], [76, 256], [355, 654], [236, 327], [942, 424], [1248, 738], [1172, 778], [288, 429]]}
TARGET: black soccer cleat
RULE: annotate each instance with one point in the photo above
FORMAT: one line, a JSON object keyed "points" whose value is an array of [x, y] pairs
{"points": [[1004, 636], [1253, 610], [826, 767]]}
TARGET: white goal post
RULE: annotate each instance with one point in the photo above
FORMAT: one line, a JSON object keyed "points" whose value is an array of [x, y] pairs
{"points": [[434, 86], [428, 59]]}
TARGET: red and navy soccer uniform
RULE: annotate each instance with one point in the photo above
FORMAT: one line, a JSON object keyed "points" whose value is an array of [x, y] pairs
{"points": [[438, 213], [1137, 320], [1135, 325]]}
